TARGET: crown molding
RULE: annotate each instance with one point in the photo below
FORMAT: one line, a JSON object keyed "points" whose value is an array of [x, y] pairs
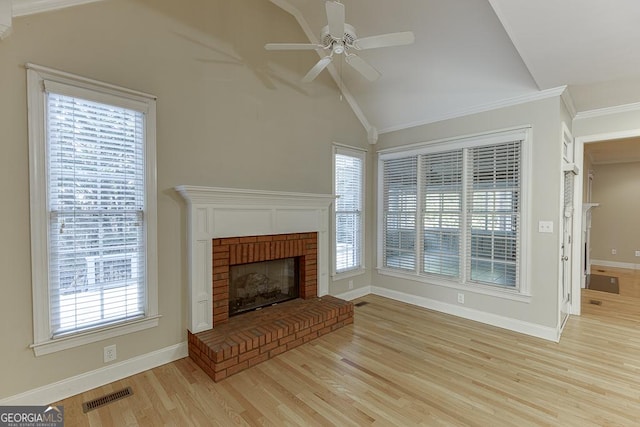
{"points": [[618, 109], [509, 102], [30, 7], [308, 31]]}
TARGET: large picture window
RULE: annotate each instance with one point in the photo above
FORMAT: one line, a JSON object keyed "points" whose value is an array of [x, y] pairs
{"points": [[453, 211], [93, 216], [349, 188]]}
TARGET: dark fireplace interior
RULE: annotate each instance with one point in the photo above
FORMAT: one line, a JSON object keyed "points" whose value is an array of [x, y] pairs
{"points": [[260, 284]]}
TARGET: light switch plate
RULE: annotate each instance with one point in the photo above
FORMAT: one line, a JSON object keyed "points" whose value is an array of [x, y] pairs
{"points": [[545, 227]]}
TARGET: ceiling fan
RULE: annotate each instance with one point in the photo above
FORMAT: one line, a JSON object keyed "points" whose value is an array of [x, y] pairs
{"points": [[339, 38]]}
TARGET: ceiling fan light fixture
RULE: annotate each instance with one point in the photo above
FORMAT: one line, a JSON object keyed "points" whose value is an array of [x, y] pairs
{"points": [[339, 38]]}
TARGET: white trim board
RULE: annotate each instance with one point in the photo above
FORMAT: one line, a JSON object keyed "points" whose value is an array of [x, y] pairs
{"points": [[527, 328], [615, 264], [618, 109], [57, 391]]}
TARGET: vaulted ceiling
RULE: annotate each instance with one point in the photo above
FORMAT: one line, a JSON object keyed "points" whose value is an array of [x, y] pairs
{"points": [[474, 55], [469, 55]]}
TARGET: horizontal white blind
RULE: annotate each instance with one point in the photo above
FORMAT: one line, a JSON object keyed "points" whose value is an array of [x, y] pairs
{"points": [[96, 202], [349, 189], [493, 222], [400, 205], [441, 186]]}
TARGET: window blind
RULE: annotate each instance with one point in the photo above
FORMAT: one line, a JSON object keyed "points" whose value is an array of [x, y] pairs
{"points": [[493, 221], [442, 181], [96, 206], [349, 189], [400, 204]]}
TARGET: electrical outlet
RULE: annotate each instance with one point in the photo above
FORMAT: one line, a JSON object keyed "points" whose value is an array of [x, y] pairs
{"points": [[110, 353], [614, 251], [460, 298], [350, 284], [637, 253]]}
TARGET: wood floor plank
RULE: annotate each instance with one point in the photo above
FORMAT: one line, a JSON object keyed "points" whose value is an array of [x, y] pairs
{"points": [[403, 365]]}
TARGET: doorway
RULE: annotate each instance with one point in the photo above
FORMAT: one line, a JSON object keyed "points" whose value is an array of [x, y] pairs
{"points": [[609, 253]]}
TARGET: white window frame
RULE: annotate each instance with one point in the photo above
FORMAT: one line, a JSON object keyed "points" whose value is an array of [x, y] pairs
{"points": [[360, 154], [96, 91], [522, 290]]}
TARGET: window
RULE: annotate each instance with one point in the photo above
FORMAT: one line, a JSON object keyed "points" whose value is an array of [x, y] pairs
{"points": [[452, 211], [494, 213], [349, 187], [92, 154], [442, 212], [400, 201]]}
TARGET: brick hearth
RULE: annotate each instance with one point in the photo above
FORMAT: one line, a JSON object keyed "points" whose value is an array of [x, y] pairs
{"points": [[242, 341], [251, 338]]}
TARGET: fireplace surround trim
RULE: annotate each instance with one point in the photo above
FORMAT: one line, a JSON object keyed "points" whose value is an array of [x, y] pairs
{"points": [[215, 212]]}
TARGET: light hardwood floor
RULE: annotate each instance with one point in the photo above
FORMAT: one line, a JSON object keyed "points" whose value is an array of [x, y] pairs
{"points": [[401, 365], [623, 308]]}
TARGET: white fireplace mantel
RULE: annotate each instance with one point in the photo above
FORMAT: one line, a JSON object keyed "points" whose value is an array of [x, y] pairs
{"points": [[230, 212]]}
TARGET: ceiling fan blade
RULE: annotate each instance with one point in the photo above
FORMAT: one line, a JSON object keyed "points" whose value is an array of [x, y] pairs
{"points": [[320, 65], [335, 18], [362, 67], [292, 46], [384, 40]]}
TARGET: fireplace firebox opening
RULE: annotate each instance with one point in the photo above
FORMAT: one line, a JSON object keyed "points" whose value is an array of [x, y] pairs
{"points": [[260, 284]]}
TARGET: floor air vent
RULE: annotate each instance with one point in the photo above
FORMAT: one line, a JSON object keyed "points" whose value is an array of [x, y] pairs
{"points": [[105, 400], [360, 304]]}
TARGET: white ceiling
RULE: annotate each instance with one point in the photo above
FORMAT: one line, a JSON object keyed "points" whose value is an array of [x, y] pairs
{"points": [[473, 55]]}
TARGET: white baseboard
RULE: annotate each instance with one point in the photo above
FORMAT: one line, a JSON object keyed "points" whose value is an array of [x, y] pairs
{"points": [[544, 332], [354, 294], [615, 264], [80, 383]]}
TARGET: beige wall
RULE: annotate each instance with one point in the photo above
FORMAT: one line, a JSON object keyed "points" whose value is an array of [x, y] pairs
{"points": [[223, 120], [614, 224], [545, 118]]}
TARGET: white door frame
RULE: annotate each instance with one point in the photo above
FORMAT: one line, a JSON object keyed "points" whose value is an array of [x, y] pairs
{"points": [[578, 282], [569, 164]]}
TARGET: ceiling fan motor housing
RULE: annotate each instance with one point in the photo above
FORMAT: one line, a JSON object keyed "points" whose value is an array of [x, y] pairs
{"points": [[347, 41]]}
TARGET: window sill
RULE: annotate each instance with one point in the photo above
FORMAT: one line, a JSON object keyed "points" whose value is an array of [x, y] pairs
{"points": [[348, 274], [65, 343], [509, 294]]}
